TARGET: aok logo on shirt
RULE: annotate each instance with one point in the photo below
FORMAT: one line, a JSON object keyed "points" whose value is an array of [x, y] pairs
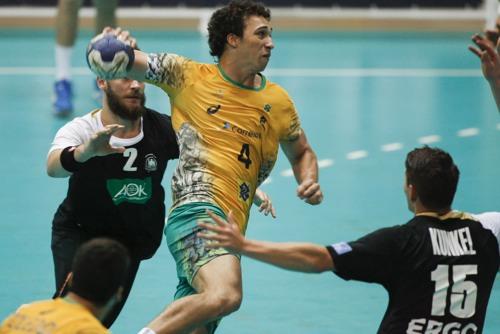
{"points": [[129, 190]]}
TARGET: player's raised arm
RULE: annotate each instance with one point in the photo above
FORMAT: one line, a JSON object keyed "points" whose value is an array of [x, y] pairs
{"points": [[296, 256], [113, 54], [486, 48], [63, 162]]}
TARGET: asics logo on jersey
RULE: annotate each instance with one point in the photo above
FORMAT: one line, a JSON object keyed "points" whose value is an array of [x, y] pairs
{"points": [[267, 108], [213, 109], [136, 191]]}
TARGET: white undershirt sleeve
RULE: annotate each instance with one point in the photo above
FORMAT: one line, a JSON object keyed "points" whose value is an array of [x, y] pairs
{"points": [[490, 221]]}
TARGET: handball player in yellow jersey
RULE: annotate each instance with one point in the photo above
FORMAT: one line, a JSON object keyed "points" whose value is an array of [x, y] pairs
{"points": [[229, 121], [98, 273]]}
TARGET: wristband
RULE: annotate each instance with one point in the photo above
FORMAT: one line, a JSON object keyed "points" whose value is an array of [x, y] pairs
{"points": [[67, 158]]}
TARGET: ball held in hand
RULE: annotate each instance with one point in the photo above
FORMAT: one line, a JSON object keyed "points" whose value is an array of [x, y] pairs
{"points": [[108, 57]]}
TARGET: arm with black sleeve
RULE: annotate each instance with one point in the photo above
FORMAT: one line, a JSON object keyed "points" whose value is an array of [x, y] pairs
{"points": [[373, 258]]}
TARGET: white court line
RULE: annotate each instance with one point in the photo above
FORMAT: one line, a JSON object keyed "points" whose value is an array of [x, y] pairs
{"points": [[469, 132], [354, 155], [420, 14], [429, 139], [391, 147], [287, 173], [41, 71], [325, 163], [372, 72], [293, 72], [498, 126], [267, 181]]}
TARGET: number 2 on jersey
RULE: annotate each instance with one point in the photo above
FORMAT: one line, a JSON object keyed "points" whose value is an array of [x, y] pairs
{"points": [[245, 155], [131, 153], [463, 293]]}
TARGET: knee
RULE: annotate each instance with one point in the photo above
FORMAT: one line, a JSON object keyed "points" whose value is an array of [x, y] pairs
{"points": [[226, 303]]}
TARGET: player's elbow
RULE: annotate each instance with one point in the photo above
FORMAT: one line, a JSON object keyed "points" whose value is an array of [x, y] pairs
{"points": [[56, 172], [54, 168], [51, 171], [49, 168]]}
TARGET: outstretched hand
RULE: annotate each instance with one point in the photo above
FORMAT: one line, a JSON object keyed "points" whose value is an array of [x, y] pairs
{"points": [[223, 233], [486, 48], [98, 145], [263, 201]]}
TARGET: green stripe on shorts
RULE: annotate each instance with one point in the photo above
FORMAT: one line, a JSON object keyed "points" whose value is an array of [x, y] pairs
{"points": [[189, 251], [183, 220]]}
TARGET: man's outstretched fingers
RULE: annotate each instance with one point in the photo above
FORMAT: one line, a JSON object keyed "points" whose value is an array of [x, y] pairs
{"points": [[209, 226], [216, 218], [476, 51]]}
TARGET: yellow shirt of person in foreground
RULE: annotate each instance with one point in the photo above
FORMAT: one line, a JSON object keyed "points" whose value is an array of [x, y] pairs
{"points": [[55, 316]]}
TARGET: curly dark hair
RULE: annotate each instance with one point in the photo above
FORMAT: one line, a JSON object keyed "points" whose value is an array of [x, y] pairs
{"points": [[230, 19], [434, 175]]}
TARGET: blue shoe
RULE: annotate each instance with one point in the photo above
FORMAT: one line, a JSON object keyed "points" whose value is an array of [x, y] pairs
{"points": [[63, 106]]}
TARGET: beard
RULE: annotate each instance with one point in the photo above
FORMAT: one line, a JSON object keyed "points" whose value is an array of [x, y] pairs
{"points": [[121, 110]]}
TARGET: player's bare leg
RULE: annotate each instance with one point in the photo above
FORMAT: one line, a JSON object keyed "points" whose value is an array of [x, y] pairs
{"points": [[67, 22], [66, 27], [105, 14], [219, 293], [105, 17]]}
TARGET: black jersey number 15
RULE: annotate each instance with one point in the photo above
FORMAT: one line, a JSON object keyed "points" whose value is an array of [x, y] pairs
{"points": [[244, 156], [462, 295]]}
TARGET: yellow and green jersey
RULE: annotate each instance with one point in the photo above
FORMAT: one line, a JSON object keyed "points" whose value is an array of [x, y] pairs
{"points": [[52, 316], [228, 134]]}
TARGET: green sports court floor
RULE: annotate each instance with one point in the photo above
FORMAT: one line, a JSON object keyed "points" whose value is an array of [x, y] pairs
{"points": [[365, 99]]}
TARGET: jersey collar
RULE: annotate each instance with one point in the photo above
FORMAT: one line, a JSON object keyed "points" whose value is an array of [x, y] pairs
{"points": [[451, 214], [228, 79]]}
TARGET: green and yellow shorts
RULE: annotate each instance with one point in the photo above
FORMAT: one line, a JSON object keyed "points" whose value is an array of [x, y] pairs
{"points": [[188, 250]]}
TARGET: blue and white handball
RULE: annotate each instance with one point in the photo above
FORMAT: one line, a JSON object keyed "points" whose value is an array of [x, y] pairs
{"points": [[109, 58]]}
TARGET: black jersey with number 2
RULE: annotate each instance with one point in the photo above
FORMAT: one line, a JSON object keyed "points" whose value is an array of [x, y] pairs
{"points": [[438, 272], [120, 195]]}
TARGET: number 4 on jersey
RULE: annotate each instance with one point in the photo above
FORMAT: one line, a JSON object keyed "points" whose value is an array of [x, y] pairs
{"points": [[245, 155]]}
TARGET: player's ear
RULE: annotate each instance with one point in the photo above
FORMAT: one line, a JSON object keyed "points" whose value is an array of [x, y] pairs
{"points": [[412, 192], [232, 40], [101, 83]]}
